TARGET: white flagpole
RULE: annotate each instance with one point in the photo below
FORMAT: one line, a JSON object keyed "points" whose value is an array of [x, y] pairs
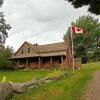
{"points": [[72, 52]]}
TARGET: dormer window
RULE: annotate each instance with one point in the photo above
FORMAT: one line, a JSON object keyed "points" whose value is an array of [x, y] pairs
{"points": [[22, 51], [28, 50]]}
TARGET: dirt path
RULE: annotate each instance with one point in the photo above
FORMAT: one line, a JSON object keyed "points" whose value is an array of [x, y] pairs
{"points": [[93, 88]]}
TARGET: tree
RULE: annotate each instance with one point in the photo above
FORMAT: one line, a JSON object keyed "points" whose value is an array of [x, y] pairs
{"points": [[94, 5], [1, 2], [5, 53], [3, 27], [87, 44]]}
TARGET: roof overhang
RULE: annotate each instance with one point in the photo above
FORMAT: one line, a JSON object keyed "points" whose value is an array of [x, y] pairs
{"points": [[63, 53]]}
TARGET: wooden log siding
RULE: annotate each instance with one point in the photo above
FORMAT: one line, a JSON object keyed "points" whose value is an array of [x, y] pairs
{"points": [[52, 55]]}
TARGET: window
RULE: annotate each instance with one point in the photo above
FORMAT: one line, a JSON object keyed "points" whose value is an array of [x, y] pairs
{"points": [[22, 51], [28, 50]]}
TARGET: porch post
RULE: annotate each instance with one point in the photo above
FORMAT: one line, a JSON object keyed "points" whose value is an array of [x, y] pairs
{"points": [[39, 62], [62, 61], [27, 62], [51, 62]]}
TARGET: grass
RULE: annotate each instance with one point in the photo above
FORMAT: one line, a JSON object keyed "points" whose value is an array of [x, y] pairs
{"points": [[22, 76], [69, 88]]}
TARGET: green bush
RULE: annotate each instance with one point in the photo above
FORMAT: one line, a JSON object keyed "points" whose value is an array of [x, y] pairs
{"points": [[6, 64]]}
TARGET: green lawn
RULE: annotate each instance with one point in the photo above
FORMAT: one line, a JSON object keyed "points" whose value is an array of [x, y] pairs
{"points": [[69, 88], [22, 76]]}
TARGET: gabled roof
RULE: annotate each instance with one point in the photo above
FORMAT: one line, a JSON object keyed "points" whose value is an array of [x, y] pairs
{"points": [[53, 49], [29, 44]]}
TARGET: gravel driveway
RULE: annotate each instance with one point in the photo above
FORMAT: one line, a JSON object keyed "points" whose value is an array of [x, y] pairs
{"points": [[92, 91]]}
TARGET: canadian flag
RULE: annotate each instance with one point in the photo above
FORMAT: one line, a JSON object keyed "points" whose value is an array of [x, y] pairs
{"points": [[77, 30]]}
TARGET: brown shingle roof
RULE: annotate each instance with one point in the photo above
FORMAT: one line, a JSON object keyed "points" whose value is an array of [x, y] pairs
{"points": [[53, 54], [54, 49]]}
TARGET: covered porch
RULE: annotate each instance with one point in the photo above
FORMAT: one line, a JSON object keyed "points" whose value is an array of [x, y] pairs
{"points": [[41, 62]]}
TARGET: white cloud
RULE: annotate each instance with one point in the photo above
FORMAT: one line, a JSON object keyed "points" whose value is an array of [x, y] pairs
{"points": [[41, 21]]}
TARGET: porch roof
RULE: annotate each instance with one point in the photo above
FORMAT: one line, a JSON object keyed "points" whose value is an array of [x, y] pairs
{"points": [[41, 55]]}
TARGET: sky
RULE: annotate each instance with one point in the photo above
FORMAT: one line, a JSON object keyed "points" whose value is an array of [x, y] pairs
{"points": [[39, 21]]}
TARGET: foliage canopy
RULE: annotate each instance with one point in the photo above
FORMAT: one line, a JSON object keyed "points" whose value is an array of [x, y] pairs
{"points": [[3, 27], [87, 44], [94, 5]]}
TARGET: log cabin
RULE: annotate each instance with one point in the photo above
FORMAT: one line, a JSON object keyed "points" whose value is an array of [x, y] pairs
{"points": [[42, 56]]}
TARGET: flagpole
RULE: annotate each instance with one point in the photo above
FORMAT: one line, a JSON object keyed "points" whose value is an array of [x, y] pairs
{"points": [[75, 30], [72, 52], [67, 59]]}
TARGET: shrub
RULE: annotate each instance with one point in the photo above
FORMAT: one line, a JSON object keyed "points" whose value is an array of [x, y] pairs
{"points": [[6, 64]]}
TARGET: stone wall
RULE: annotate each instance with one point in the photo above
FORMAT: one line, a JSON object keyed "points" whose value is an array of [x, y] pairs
{"points": [[7, 89]]}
